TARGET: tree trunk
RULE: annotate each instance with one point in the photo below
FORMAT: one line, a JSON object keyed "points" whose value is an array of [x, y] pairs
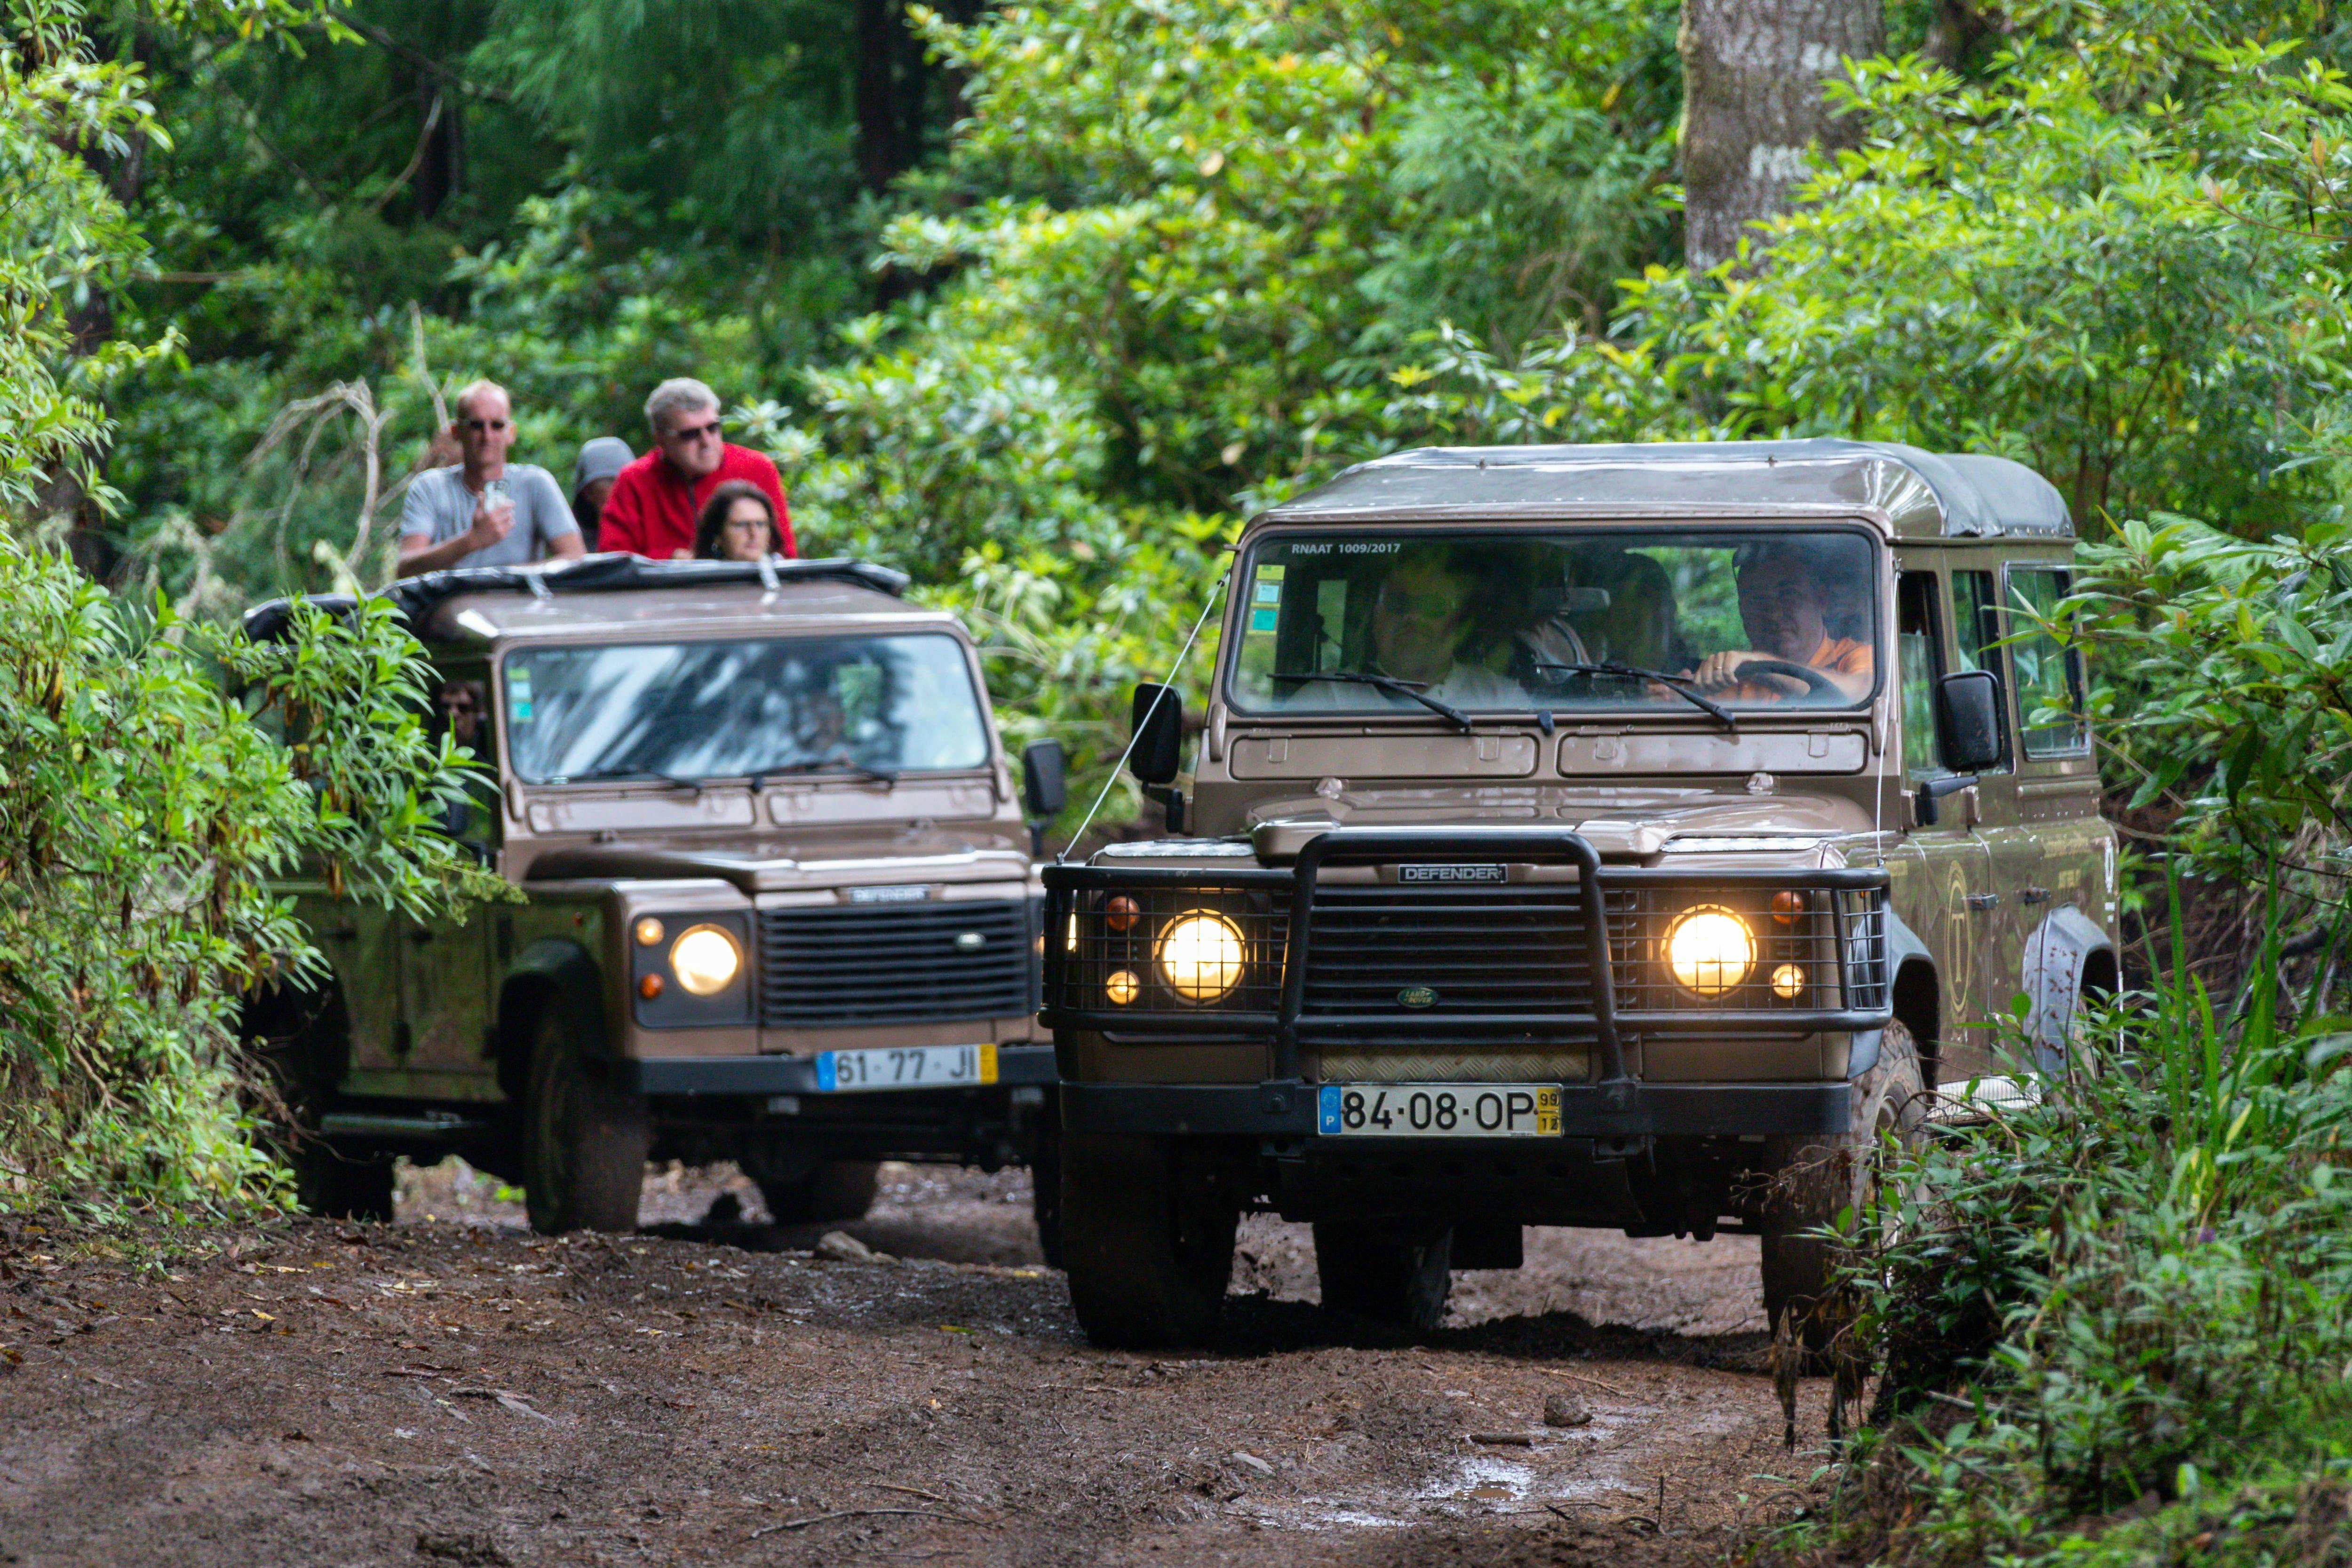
{"points": [[1753, 108]]}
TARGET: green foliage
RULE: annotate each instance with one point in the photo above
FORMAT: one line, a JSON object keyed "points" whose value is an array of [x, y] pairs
{"points": [[2223, 694], [2141, 1290], [141, 815]]}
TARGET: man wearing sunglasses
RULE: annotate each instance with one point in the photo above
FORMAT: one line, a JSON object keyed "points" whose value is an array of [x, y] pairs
{"points": [[483, 510], [655, 499]]}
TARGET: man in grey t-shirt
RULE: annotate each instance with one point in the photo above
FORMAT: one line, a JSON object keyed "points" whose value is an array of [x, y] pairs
{"points": [[456, 517]]}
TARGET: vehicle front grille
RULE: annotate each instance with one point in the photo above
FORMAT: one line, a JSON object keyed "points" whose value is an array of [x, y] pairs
{"points": [[913, 963], [1497, 952]]}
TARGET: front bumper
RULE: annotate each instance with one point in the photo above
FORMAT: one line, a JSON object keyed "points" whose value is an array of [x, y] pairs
{"points": [[758, 1076], [1286, 1110]]}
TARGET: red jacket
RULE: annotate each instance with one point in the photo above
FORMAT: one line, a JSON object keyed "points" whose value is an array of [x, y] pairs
{"points": [[652, 508]]}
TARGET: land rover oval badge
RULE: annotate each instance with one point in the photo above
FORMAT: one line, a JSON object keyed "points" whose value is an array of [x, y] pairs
{"points": [[1417, 997]]}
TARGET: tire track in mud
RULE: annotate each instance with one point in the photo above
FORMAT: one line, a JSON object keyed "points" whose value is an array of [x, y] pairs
{"points": [[455, 1390]]}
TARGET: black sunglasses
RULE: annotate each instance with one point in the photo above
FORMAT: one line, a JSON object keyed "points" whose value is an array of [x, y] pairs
{"points": [[478, 425]]}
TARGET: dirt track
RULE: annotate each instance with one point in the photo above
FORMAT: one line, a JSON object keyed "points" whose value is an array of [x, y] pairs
{"points": [[455, 1390]]}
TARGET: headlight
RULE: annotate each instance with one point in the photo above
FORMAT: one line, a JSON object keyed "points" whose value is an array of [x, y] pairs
{"points": [[1709, 949], [1201, 955], [705, 959]]}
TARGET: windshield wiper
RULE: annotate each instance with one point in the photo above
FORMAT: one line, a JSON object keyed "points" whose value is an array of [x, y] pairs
{"points": [[608, 775], [1678, 684], [832, 762], [1388, 684]]}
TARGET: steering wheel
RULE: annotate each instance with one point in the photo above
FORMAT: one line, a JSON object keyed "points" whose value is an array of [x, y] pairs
{"points": [[1816, 684]]}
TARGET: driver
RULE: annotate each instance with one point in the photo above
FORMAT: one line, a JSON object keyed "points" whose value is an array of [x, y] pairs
{"points": [[1796, 598], [1423, 617]]}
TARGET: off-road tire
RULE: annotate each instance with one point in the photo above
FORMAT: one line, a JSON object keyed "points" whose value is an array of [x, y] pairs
{"points": [[1366, 1271], [835, 1189], [336, 1186], [1812, 1181], [1045, 1184], [584, 1136], [1148, 1261]]}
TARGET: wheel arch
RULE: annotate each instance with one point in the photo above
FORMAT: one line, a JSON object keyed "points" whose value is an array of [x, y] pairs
{"points": [[551, 972], [2067, 958], [1916, 996]]}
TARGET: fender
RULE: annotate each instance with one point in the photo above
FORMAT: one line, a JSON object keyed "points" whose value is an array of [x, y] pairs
{"points": [[1903, 945], [2055, 955], [567, 969]]}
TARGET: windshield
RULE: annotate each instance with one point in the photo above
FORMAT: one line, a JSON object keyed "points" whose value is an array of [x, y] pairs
{"points": [[1745, 619], [718, 710]]}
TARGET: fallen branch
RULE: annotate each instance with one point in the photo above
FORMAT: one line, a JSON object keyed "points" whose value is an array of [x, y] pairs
{"points": [[861, 1513], [1580, 1377]]}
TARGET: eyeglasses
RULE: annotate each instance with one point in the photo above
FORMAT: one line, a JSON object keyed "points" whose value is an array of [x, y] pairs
{"points": [[479, 425], [457, 705], [694, 432]]}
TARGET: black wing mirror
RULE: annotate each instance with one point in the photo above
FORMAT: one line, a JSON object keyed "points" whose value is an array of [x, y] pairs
{"points": [[1044, 793], [1159, 718], [1967, 720], [1967, 707]]}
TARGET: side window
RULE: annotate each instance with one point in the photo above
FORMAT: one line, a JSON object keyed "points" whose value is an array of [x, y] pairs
{"points": [[1976, 632], [462, 709], [2048, 674], [1917, 656]]}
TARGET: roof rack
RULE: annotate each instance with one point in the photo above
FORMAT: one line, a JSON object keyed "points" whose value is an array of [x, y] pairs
{"points": [[416, 598]]}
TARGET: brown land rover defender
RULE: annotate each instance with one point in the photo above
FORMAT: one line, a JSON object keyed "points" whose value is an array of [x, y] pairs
{"points": [[781, 905], [1617, 837]]}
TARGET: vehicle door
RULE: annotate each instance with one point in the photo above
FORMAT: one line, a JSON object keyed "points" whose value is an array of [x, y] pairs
{"points": [[1941, 891], [2060, 861], [444, 960], [1980, 626]]}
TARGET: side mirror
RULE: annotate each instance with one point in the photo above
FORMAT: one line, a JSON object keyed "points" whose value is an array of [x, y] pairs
{"points": [[1042, 792], [1159, 717], [1967, 710]]}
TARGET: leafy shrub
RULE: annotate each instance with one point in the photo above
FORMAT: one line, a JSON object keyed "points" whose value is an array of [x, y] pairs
{"points": [[142, 813]]}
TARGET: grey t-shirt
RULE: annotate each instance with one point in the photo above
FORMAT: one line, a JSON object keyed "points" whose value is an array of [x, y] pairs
{"points": [[440, 507]]}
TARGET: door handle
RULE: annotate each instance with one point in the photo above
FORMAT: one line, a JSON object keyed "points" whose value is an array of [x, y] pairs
{"points": [[1982, 901], [2033, 895]]}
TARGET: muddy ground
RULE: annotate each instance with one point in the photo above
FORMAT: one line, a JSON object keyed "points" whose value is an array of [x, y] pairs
{"points": [[454, 1390]]}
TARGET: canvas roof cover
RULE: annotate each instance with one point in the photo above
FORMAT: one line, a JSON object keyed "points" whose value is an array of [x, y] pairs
{"points": [[1921, 494]]}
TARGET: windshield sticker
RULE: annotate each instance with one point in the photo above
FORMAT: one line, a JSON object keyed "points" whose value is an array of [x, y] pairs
{"points": [[519, 694]]}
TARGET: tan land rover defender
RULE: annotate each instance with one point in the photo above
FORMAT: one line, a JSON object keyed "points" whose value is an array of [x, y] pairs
{"points": [[1617, 837], [781, 905]]}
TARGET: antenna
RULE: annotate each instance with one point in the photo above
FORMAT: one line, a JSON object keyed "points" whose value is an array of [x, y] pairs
{"points": [[1173, 670]]}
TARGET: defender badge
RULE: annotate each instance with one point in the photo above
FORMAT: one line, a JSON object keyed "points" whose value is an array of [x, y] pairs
{"points": [[1453, 873], [1417, 997]]}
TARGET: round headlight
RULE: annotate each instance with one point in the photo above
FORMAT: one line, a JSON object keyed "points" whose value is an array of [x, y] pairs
{"points": [[705, 959], [1709, 949], [1201, 955], [1789, 982]]}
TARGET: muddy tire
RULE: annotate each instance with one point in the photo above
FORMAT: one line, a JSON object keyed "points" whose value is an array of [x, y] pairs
{"points": [[1367, 1272], [1813, 1181], [336, 1186], [835, 1189], [1147, 1262], [584, 1136], [1045, 1184]]}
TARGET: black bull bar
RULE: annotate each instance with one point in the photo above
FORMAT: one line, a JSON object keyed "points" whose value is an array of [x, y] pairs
{"points": [[1852, 904]]}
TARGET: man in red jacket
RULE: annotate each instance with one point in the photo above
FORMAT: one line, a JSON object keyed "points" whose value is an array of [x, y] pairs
{"points": [[654, 501]]}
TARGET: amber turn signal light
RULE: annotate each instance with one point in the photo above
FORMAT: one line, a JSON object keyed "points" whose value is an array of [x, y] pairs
{"points": [[1787, 905], [650, 987], [1121, 913]]}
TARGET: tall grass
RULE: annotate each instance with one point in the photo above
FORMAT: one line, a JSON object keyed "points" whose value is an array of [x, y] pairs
{"points": [[2117, 1326]]}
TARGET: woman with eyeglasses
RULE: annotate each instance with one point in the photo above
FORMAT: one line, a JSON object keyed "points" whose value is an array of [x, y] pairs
{"points": [[483, 510], [737, 523], [658, 499]]}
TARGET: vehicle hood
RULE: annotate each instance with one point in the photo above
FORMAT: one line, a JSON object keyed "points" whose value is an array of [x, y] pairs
{"points": [[1621, 823], [756, 865]]}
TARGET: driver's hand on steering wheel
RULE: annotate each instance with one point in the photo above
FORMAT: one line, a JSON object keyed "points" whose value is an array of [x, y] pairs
{"points": [[1717, 671]]}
